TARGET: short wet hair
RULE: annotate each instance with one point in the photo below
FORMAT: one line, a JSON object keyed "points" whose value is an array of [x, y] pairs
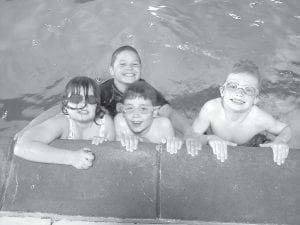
{"points": [[247, 66], [141, 89], [74, 86], [123, 49]]}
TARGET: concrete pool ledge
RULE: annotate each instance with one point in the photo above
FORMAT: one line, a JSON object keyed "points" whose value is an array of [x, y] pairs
{"points": [[148, 186]]}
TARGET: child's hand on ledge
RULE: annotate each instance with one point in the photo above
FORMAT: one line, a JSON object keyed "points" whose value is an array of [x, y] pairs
{"points": [[280, 151], [193, 142], [219, 146], [129, 141], [173, 144], [82, 158], [98, 140]]}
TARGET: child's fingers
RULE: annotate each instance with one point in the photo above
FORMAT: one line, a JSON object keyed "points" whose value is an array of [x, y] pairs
{"points": [[135, 143], [223, 152], [286, 152], [89, 156], [280, 156], [189, 147], [122, 140], [178, 144], [86, 165], [275, 153], [231, 143], [171, 145], [127, 144], [218, 150], [164, 140], [214, 147], [265, 145], [192, 147]]}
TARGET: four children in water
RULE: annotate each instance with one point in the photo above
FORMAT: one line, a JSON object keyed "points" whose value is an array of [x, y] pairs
{"points": [[142, 114]]}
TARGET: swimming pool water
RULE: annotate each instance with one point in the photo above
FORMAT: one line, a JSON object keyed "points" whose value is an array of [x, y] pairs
{"points": [[187, 49]]}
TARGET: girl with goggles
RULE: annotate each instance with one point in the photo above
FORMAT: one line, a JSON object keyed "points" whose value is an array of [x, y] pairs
{"points": [[82, 118]]}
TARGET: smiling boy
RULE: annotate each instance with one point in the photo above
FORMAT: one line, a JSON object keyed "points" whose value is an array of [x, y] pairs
{"points": [[138, 120], [234, 119]]}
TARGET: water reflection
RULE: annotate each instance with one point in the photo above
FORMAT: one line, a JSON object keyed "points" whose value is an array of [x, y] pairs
{"points": [[187, 49]]}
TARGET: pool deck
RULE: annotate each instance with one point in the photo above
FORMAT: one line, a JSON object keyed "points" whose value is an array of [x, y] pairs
{"points": [[151, 187]]}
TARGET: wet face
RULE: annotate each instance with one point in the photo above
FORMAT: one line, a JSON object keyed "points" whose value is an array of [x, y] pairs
{"points": [[126, 68], [138, 113], [240, 91], [81, 108]]}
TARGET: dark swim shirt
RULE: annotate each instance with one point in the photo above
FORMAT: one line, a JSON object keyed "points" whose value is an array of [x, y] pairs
{"points": [[110, 96]]}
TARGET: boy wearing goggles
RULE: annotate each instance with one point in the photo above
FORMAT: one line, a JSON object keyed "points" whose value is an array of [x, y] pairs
{"points": [[126, 68], [235, 119], [138, 120], [82, 118]]}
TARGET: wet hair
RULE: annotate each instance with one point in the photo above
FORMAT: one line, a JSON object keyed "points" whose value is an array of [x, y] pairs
{"points": [[123, 49], [141, 89], [74, 86], [248, 67]]}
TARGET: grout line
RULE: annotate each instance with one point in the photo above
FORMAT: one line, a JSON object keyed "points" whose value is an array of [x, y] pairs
{"points": [[7, 171], [158, 163]]}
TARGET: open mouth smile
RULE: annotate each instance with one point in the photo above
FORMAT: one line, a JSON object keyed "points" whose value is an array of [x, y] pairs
{"points": [[128, 74], [83, 112], [237, 101]]}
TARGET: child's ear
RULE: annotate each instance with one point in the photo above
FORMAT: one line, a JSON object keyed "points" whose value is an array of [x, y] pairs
{"points": [[119, 107], [156, 111], [221, 90], [111, 71]]}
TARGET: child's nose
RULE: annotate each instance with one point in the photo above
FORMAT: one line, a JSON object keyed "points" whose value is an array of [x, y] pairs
{"points": [[136, 113], [82, 104], [129, 67], [240, 91]]}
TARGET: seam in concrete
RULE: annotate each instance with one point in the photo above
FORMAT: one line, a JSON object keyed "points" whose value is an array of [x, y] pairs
{"points": [[158, 162], [7, 171]]}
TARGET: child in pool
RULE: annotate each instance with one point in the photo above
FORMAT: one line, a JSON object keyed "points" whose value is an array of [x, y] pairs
{"points": [[235, 119], [125, 68], [138, 120], [82, 118]]}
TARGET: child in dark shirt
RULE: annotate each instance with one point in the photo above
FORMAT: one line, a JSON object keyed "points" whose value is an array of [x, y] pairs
{"points": [[125, 68]]}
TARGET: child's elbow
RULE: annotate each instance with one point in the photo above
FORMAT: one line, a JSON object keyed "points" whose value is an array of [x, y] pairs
{"points": [[19, 150]]}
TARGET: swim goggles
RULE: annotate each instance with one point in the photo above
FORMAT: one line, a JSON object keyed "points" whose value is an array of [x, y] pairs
{"points": [[142, 109], [248, 90], [77, 99]]}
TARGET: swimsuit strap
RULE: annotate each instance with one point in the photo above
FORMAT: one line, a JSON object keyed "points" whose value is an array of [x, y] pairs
{"points": [[72, 129]]}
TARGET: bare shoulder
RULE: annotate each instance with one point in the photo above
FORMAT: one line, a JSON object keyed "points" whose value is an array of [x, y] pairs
{"points": [[265, 120], [162, 127], [162, 122], [212, 106], [118, 118], [59, 120], [106, 118], [47, 131], [261, 115]]}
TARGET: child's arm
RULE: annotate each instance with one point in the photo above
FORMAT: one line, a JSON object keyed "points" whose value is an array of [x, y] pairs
{"points": [[33, 146], [124, 134], [202, 123], [53, 111], [108, 132], [166, 134], [280, 144], [181, 124], [109, 128]]}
